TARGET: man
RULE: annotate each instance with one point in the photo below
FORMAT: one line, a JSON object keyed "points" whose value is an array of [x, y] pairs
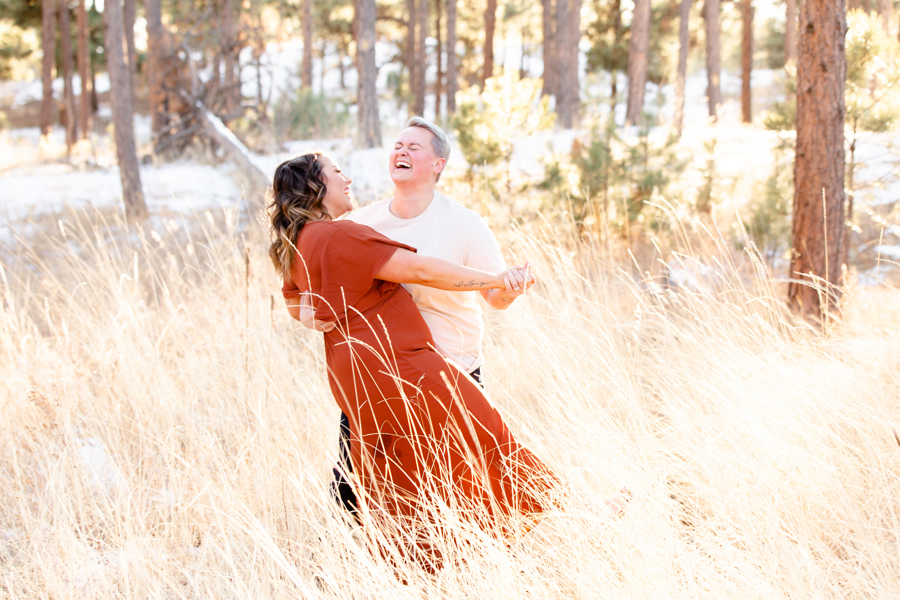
{"points": [[421, 217]]}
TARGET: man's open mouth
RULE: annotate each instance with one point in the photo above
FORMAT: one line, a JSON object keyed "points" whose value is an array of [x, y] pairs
{"points": [[402, 164]]}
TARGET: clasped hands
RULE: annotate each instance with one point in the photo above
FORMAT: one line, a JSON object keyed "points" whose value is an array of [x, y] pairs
{"points": [[518, 280]]}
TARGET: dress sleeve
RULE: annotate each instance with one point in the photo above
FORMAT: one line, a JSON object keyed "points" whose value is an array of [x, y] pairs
{"points": [[289, 289], [351, 258]]}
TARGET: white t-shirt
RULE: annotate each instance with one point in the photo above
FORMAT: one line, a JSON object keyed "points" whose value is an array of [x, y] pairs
{"points": [[452, 232]]}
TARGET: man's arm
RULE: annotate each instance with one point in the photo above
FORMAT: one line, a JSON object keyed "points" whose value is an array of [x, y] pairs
{"points": [[301, 308]]}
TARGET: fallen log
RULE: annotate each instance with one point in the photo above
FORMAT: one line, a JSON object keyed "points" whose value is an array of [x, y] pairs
{"points": [[257, 181]]}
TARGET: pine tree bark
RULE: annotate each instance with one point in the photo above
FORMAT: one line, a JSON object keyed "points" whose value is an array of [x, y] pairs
{"points": [[568, 35], [614, 74], [307, 68], [369, 124], [231, 57], [790, 32], [84, 70], [549, 48], [439, 84], [421, 58], [638, 61], [713, 58], [412, 26], [48, 45], [746, 58], [884, 9], [65, 50], [818, 211], [122, 112], [156, 50], [128, 19], [684, 13], [490, 22], [452, 60]]}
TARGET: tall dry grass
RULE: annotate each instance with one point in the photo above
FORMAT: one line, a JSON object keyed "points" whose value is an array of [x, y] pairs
{"points": [[166, 431]]}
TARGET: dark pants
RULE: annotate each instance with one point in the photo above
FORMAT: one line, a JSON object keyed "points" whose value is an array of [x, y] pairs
{"points": [[341, 489]]}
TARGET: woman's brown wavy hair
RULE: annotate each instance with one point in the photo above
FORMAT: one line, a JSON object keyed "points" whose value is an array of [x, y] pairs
{"points": [[297, 192]]}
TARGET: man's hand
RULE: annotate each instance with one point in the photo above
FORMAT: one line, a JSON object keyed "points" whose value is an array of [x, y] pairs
{"points": [[305, 314]]}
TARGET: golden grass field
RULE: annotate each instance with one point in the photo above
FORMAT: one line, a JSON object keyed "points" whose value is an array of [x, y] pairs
{"points": [[166, 430]]}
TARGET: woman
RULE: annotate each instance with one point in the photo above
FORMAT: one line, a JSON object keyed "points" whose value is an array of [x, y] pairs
{"points": [[421, 430]]}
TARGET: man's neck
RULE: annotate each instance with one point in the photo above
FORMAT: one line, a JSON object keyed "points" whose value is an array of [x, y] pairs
{"points": [[409, 203]]}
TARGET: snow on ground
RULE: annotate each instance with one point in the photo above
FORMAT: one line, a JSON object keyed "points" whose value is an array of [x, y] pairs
{"points": [[34, 179]]}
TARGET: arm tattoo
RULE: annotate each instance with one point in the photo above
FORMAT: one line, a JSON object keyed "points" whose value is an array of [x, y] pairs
{"points": [[472, 283]]}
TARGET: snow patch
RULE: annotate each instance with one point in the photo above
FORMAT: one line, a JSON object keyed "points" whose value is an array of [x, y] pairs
{"points": [[104, 475]]}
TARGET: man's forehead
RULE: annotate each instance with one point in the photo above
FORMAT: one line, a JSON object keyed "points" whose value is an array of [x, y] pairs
{"points": [[415, 135]]}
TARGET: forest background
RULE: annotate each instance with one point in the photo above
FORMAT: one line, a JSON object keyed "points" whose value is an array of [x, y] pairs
{"points": [[168, 432]]}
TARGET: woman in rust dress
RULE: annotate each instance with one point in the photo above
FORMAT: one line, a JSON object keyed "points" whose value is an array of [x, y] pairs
{"points": [[423, 434]]}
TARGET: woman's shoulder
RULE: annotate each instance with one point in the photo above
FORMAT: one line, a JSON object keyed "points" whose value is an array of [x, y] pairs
{"points": [[340, 230]]}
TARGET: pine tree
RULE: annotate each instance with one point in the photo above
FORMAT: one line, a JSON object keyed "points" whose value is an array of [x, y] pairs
{"points": [[548, 23], [452, 60], [713, 58], [369, 124], [746, 58], [790, 32], [307, 66], [638, 60], [84, 70], [490, 21], [684, 14], [568, 36], [122, 114], [818, 212], [65, 49], [48, 45]]}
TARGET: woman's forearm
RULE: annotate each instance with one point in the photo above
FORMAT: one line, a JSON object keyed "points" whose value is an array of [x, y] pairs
{"points": [[408, 267]]}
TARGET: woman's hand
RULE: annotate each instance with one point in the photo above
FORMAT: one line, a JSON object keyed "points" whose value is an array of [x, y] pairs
{"points": [[517, 280]]}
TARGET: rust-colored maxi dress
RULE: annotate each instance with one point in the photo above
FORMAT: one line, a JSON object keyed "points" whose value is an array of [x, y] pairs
{"points": [[419, 426]]}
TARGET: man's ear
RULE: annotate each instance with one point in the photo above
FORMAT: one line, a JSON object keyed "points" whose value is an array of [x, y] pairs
{"points": [[439, 166]]}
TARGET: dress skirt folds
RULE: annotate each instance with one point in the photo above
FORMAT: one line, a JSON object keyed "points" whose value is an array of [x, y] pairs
{"points": [[422, 433]]}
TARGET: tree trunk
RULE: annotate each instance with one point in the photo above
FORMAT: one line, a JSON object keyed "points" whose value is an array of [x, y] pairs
{"points": [[84, 70], [439, 86], [369, 125], [568, 35], [128, 18], [412, 25], [490, 22], [421, 58], [452, 61], [746, 58], [48, 45], [638, 61], [232, 87], [549, 47], [818, 212], [122, 115], [614, 74], [156, 50], [560, 41], [713, 58], [684, 13], [790, 32], [307, 68], [884, 9], [65, 50]]}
